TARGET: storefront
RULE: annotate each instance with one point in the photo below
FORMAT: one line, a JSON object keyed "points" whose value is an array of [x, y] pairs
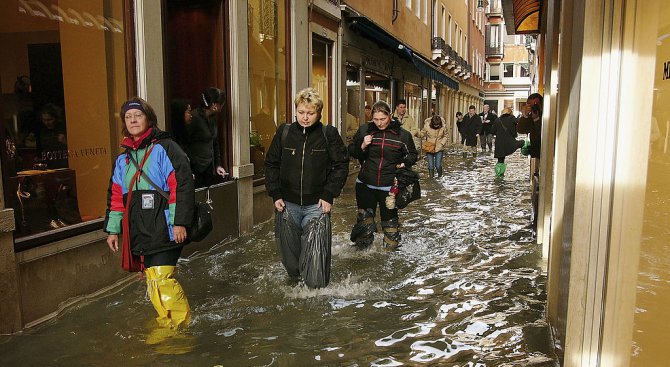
{"points": [[64, 73]]}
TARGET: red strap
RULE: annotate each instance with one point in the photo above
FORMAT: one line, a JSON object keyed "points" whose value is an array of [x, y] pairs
{"points": [[128, 261]]}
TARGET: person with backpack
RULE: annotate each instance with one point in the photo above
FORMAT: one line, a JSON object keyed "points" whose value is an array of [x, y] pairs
{"points": [[504, 129], [383, 148], [153, 226], [306, 167]]}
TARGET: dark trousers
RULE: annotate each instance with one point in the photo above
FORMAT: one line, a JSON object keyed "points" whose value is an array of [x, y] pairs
{"points": [[163, 258], [367, 198]]}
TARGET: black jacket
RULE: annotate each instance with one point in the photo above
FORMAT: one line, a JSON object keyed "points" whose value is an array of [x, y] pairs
{"points": [[202, 142], [486, 127], [389, 147], [533, 128], [305, 167], [470, 127], [504, 128]]}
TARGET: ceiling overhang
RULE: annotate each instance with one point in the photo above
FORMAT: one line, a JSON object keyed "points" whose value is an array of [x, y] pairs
{"points": [[522, 16]]}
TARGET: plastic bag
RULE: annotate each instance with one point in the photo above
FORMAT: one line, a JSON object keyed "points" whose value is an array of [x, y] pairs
{"points": [[408, 187], [316, 252], [287, 237]]}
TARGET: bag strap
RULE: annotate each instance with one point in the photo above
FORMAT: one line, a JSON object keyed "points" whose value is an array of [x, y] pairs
{"points": [[287, 126], [144, 175]]}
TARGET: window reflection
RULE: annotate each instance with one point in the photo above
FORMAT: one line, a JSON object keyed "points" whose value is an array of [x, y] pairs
{"points": [[61, 89], [267, 76]]}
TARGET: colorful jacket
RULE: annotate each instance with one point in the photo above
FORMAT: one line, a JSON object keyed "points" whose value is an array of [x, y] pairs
{"points": [[389, 148], [152, 216]]}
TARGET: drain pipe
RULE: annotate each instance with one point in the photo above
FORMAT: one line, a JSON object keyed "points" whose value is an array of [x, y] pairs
{"points": [[395, 11]]}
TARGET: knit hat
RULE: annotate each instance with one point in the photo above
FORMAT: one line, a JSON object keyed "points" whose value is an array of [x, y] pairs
{"points": [[131, 105]]}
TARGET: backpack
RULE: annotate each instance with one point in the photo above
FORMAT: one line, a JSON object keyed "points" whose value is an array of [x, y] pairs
{"points": [[284, 133]]}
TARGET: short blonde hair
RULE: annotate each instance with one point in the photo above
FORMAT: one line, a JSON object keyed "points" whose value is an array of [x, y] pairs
{"points": [[506, 111], [309, 96]]}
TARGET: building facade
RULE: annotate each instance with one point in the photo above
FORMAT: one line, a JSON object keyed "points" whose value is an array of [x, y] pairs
{"points": [[508, 76]]}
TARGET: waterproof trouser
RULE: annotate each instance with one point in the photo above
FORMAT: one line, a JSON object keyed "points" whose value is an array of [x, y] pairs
{"points": [[305, 252], [167, 297], [363, 232], [391, 230]]}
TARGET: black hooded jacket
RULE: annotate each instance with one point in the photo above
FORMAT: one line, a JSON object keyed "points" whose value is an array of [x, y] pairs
{"points": [[306, 166], [389, 148]]}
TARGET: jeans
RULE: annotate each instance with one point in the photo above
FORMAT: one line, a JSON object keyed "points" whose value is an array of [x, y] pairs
{"points": [[302, 214], [434, 160]]}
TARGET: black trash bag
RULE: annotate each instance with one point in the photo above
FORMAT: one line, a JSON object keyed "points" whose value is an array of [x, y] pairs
{"points": [[315, 255], [408, 187], [287, 236]]}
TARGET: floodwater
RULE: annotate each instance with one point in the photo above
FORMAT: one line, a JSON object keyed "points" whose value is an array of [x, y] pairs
{"points": [[465, 289]]}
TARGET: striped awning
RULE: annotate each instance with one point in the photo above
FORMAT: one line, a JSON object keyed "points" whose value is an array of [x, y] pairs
{"points": [[522, 16]]}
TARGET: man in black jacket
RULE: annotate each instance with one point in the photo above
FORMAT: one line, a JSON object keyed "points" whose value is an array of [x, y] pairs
{"points": [[305, 169], [470, 129]]}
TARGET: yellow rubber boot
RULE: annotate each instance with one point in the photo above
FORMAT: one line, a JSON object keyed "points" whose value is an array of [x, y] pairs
{"points": [[168, 297]]}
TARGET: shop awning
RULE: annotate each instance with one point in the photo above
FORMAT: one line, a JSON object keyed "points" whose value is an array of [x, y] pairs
{"points": [[522, 16], [429, 71], [368, 29]]}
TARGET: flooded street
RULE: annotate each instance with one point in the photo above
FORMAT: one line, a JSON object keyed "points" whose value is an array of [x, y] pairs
{"points": [[465, 289]]}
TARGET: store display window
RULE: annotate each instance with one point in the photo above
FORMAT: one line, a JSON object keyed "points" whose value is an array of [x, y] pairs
{"points": [[267, 76], [62, 80]]}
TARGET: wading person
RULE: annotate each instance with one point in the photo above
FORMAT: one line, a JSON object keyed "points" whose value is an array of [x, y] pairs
{"points": [[203, 140], [470, 129], [382, 147], [153, 227], [306, 167], [504, 129], [486, 137], [434, 138]]}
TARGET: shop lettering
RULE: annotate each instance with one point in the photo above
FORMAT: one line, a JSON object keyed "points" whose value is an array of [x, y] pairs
{"points": [[54, 155], [666, 70]]}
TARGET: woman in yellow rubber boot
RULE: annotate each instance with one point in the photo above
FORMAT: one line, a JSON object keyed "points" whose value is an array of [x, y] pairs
{"points": [[150, 201]]}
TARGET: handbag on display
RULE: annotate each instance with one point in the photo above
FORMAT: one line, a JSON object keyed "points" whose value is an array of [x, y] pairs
{"points": [[201, 225]]}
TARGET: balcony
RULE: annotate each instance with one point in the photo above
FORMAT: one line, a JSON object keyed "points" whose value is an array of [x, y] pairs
{"points": [[452, 58], [439, 47], [495, 51]]}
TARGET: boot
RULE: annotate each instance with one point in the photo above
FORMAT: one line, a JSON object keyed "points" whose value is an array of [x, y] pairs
{"points": [[439, 172], [168, 297], [431, 172], [363, 233], [465, 154], [391, 233], [500, 169], [474, 154]]}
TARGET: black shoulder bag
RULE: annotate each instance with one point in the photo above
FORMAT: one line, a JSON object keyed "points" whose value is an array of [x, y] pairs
{"points": [[201, 224]]}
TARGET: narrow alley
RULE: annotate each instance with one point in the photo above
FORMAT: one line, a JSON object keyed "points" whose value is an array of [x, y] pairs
{"points": [[465, 289]]}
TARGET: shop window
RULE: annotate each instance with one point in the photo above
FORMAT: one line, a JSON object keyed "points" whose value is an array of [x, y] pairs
{"points": [[352, 118], [63, 79], [267, 76], [413, 97], [184, 87], [322, 73], [377, 88]]}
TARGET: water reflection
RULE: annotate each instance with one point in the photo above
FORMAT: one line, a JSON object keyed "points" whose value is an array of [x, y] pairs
{"points": [[465, 289]]}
